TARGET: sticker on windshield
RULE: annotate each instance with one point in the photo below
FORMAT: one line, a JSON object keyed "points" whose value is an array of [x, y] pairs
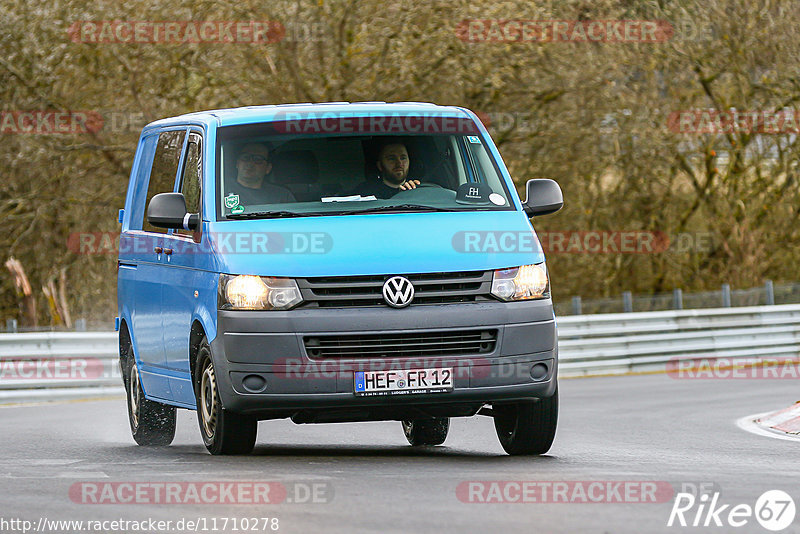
{"points": [[473, 193], [231, 201], [237, 209], [497, 199], [474, 139]]}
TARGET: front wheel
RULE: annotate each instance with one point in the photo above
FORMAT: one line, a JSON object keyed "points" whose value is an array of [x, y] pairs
{"points": [[223, 432], [527, 427], [152, 423], [426, 431]]}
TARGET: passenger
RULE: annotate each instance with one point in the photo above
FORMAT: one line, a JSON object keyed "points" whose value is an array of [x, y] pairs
{"points": [[393, 164], [251, 185]]}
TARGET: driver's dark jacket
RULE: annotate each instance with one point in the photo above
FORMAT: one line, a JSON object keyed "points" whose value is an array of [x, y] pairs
{"points": [[375, 187]]}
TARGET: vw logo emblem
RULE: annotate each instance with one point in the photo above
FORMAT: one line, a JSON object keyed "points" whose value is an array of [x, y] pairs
{"points": [[398, 292]]}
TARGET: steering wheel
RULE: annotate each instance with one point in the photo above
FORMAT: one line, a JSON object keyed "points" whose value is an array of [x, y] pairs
{"points": [[427, 191], [423, 185]]}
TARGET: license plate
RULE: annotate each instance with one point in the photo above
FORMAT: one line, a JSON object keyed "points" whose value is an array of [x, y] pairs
{"points": [[407, 382]]}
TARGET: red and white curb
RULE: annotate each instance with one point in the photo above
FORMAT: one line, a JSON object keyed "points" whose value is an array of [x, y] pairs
{"points": [[781, 424]]}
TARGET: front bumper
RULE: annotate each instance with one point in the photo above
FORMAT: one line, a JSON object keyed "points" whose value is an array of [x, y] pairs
{"points": [[263, 367]]}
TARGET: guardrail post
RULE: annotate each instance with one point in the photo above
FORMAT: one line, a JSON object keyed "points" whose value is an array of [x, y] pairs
{"points": [[770, 291], [576, 306], [677, 299], [80, 325], [726, 295], [627, 301], [11, 326]]}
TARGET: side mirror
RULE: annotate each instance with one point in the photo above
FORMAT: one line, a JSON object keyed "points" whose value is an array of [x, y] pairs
{"points": [[543, 196], [168, 210]]}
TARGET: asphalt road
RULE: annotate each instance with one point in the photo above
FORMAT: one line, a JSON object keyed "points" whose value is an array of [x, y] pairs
{"points": [[635, 428]]}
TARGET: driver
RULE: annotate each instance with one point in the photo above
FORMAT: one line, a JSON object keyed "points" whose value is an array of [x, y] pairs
{"points": [[393, 163], [251, 186]]}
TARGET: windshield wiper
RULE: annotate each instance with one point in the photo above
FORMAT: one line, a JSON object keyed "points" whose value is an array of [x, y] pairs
{"points": [[399, 208], [269, 215]]}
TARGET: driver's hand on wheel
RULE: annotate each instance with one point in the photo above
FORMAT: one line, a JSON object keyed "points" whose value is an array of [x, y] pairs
{"points": [[409, 184]]}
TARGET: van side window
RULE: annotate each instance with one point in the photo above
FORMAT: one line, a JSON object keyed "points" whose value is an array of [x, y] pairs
{"points": [[164, 170], [192, 173]]}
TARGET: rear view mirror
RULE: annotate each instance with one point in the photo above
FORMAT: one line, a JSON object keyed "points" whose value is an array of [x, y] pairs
{"points": [[168, 210], [543, 196]]}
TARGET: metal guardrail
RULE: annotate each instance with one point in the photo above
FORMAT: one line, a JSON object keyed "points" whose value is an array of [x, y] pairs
{"points": [[642, 342], [58, 365], [62, 365]]}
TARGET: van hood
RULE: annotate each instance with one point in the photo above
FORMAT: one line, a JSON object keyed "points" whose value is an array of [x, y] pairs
{"points": [[386, 243]]}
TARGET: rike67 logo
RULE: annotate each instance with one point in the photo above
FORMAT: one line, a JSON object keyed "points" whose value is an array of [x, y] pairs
{"points": [[774, 510]]}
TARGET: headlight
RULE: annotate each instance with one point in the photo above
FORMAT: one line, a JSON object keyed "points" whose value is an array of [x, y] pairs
{"points": [[521, 283], [249, 292]]}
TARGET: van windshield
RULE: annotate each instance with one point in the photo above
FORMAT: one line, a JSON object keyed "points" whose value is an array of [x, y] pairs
{"points": [[263, 171]]}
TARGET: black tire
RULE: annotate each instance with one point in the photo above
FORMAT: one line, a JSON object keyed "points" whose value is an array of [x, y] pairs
{"points": [[223, 432], [426, 431], [152, 423], [527, 427]]}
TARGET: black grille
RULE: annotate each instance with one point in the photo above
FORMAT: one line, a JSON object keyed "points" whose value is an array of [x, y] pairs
{"points": [[412, 344], [429, 288]]}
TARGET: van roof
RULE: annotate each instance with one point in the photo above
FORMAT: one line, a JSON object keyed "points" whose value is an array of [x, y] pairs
{"points": [[254, 114]]}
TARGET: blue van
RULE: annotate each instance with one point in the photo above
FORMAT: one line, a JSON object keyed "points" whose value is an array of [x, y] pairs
{"points": [[333, 263]]}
